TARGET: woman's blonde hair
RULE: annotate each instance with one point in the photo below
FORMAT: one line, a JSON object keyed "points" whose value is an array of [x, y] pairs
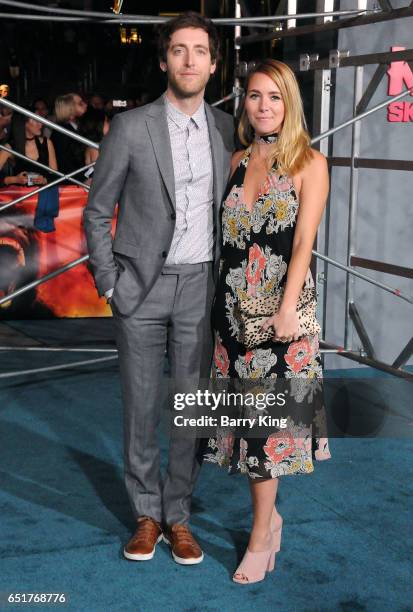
{"points": [[64, 108], [292, 149]]}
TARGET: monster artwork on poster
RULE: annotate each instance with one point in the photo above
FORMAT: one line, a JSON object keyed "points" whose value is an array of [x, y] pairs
{"points": [[28, 253]]}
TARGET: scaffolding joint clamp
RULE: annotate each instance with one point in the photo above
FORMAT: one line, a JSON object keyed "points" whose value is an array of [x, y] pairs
{"points": [[306, 59], [243, 68], [328, 85], [336, 56]]}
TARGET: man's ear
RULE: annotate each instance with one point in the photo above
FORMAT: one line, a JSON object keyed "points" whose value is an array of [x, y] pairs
{"points": [[163, 66], [213, 68]]}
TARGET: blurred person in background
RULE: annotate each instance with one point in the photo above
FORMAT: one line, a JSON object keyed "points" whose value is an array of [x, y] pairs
{"points": [[41, 108], [4, 90], [142, 97], [5, 120], [69, 152], [26, 138], [96, 101], [80, 107], [93, 125]]}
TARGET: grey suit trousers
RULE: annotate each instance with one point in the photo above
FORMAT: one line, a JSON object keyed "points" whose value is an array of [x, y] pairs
{"points": [[175, 315]]}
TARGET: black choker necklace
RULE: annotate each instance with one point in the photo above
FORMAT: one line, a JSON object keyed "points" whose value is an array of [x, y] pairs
{"points": [[266, 139]]}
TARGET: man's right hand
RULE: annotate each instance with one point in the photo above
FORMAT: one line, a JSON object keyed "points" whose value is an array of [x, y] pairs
{"points": [[108, 295]]}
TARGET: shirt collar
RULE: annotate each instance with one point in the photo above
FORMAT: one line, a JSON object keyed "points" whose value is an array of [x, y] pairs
{"points": [[181, 119]]}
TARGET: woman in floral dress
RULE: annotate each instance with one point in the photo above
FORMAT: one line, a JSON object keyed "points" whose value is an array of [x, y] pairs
{"points": [[274, 203]]}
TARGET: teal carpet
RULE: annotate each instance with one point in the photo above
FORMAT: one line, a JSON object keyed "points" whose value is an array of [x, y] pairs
{"points": [[347, 537]]}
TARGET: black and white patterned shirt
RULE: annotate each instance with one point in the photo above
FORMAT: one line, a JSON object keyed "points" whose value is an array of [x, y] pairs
{"points": [[193, 237]]}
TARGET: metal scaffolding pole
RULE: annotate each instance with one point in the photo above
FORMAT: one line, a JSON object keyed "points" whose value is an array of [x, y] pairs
{"points": [[82, 259], [56, 367], [321, 123], [44, 187], [352, 211], [237, 48], [40, 165], [39, 281], [74, 12], [57, 349], [373, 363], [50, 124], [76, 262], [361, 116], [231, 96], [364, 19], [349, 270], [131, 18]]}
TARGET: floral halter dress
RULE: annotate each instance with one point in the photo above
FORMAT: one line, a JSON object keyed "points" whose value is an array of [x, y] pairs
{"points": [[256, 251]]}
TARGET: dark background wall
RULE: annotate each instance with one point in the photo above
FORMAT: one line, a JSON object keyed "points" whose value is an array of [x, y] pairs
{"points": [[59, 57]]}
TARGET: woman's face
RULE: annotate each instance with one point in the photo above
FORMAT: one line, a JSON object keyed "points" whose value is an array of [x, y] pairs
{"points": [[41, 108], [264, 105], [33, 128]]}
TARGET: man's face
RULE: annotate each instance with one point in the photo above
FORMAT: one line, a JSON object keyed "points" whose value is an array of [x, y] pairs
{"points": [[188, 62], [97, 102], [4, 91], [80, 106]]}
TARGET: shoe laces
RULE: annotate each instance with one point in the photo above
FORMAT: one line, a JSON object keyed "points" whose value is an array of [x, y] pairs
{"points": [[147, 527], [183, 533]]}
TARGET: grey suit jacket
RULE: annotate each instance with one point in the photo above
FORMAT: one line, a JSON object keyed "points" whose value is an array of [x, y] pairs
{"points": [[135, 170]]}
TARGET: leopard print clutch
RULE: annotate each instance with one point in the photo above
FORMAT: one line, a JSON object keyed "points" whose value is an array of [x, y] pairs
{"points": [[254, 312]]}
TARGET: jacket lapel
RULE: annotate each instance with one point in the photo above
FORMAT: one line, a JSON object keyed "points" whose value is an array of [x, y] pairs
{"points": [[159, 134]]}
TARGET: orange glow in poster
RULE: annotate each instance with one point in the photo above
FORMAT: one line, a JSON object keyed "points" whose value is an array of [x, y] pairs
{"points": [[27, 254]]}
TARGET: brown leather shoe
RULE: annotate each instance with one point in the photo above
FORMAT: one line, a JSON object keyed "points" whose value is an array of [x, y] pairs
{"points": [[185, 549], [141, 547]]}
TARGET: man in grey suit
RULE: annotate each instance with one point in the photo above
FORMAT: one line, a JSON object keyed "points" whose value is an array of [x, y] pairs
{"points": [[166, 165]]}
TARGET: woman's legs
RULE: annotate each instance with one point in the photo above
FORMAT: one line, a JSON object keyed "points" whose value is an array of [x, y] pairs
{"points": [[263, 494], [262, 545]]}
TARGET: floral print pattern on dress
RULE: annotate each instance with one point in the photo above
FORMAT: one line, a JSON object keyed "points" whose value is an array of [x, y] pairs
{"points": [[255, 255]]}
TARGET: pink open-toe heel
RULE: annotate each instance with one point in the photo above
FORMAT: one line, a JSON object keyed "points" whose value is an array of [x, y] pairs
{"points": [[253, 566], [276, 544]]}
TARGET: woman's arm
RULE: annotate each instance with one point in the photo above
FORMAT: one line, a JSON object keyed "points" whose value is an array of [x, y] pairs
{"points": [[19, 179], [4, 156], [91, 155], [313, 197], [52, 155]]}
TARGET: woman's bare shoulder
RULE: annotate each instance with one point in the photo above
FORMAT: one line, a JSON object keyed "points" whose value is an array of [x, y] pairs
{"points": [[236, 157], [235, 160], [6, 154], [317, 159]]}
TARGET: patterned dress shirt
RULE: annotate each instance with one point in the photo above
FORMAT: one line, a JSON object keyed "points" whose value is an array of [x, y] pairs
{"points": [[193, 237]]}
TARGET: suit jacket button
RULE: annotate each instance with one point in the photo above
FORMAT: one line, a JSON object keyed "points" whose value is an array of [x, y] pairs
{"points": [[173, 216], [164, 254]]}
